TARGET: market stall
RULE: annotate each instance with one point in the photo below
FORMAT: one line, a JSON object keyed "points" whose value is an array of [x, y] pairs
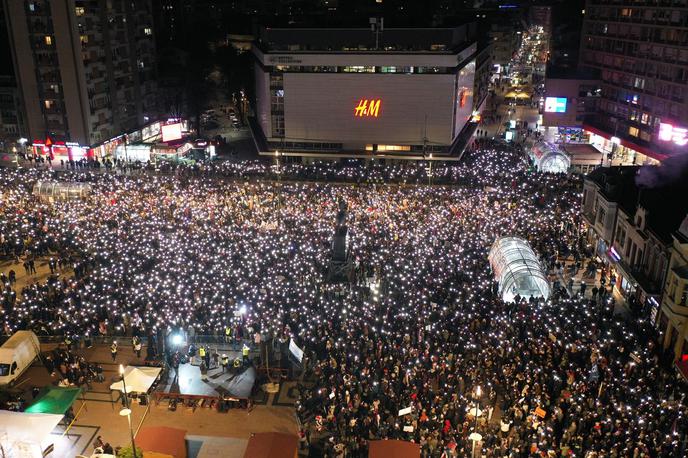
{"points": [[272, 445], [137, 379], [162, 441], [395, 448], [25, 434]]}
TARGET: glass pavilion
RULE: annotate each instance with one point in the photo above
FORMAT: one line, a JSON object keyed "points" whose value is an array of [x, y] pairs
{"points": [[517, 269], [64, 190], [549, 158]]}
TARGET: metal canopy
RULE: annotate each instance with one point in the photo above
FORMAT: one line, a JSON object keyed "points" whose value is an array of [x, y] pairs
{"points": [[517, 269]]}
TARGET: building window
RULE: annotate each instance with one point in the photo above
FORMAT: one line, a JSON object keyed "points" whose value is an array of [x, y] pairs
{"points": [[393, 148], [148, 31], [84, 39], [633, 131], [358, 69], [601, 215], [79, 10], [48, 40], [48, 104]]}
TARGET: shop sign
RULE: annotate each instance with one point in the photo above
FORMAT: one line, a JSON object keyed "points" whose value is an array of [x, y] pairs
{"points": [[671, 133], [367, 108]]}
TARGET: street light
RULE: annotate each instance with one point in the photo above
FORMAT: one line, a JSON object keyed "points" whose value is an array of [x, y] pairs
{"points": [[126, 412], [475, 435]]}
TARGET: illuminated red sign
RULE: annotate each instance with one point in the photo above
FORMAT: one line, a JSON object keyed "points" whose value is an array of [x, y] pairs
{"points": [[367, 108]]}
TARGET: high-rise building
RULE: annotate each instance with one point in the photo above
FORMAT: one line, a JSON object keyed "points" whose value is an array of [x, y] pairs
{"points": [[641, 50], [85, 69]]}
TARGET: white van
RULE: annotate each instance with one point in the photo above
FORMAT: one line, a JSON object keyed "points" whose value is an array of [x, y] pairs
{"points": [[17, 354]]}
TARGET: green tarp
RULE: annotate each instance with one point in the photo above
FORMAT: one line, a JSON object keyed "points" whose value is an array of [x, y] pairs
{"points": [[55, 400]]}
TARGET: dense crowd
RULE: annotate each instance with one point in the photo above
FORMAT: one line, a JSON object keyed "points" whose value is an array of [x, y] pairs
{"points": [[418, 323]]}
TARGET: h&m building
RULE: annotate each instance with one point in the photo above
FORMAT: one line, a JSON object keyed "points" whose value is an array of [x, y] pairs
{"points": [[358, 92]]}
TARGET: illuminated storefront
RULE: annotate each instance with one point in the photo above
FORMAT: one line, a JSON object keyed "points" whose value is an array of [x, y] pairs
{"points": [[59, 151], [622, 151], [70, 151]]}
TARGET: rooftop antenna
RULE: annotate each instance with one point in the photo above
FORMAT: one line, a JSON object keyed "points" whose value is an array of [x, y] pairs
{"points": [[377, 25]]}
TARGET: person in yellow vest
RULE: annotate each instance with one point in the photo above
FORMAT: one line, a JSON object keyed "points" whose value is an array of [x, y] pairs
{"points": [[225, 362], [244, 352], [228, 334], [113, 351]]}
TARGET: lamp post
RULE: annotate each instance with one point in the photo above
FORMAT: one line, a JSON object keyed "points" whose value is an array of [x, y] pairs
{"points": [[475, 436], [126, 412]]}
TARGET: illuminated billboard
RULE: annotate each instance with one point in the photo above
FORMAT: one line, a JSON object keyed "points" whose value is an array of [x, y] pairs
{"points": [[555, 105], [671, 133], [171, 132]]}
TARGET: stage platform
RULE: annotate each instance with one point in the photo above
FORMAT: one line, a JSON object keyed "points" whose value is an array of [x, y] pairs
{"points": [[236, 383]]}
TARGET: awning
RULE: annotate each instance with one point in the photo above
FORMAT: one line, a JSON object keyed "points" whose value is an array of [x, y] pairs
{"points": [[628, 144], [137, 379], [163, 440], [272, 445], [54, 400], [397, 449], [26, 434]]}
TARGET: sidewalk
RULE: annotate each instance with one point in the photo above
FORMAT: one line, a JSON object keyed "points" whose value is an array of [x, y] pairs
{"points": [[620, 307]]}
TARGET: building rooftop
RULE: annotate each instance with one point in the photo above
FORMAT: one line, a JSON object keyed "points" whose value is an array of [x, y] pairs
{"points": [[419, 40], [665, 211]]}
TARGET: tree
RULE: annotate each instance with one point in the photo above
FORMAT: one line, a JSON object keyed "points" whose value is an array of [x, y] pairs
{"points": [[126, 452]]}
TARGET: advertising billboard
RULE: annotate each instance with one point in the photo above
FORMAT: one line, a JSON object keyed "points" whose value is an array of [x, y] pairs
{"points": [[555, 105], [670, 133], [375, 108], [171, 132]]}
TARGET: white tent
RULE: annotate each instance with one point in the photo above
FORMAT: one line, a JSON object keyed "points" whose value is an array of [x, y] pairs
{"points": [[26, 435], [137, 379]]}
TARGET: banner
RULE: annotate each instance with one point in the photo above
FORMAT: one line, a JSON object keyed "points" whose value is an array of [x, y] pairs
{"points": [[295, 350], [405, 411]]}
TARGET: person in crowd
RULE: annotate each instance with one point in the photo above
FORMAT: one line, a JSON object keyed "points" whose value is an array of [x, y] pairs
{"points": [[418, 322]]}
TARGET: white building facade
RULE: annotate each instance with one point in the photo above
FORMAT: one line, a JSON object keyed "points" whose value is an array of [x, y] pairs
{"points": [[356, 98]]}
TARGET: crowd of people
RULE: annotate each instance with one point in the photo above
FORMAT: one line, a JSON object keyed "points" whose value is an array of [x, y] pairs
{"points": [[418, 326]]}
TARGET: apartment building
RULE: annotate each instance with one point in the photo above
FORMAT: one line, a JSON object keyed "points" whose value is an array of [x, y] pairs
{"points": [[673, 321], [85, 68], [631, 229], [641, 50]]}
